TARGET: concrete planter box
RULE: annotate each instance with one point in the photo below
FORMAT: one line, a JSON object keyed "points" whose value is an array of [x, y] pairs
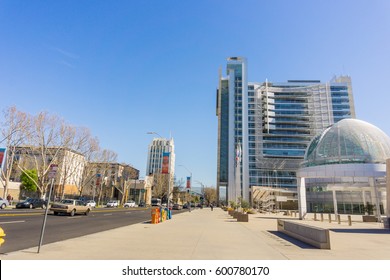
{"points": [[369, 219], [242, 217]]}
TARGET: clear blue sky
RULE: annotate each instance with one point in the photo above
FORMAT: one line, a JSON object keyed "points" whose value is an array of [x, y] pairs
{"points": [[123, 68]]}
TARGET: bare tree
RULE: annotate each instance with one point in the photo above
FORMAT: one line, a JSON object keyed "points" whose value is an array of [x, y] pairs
{"points": [[210, 195], [126, 175], [103, 163], [160, 185], [15, 128], [48, 136], [81, 146]]}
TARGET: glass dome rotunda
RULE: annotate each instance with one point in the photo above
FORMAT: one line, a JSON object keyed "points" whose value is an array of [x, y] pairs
{"points": [[348, 141]]}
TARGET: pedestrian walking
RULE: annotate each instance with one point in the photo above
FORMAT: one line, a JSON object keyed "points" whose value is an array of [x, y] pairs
{"points": [[211, 206]]}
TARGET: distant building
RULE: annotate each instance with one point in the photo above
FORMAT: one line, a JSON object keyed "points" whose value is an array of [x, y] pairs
{"points": [[264, 128], [156, 151], [70, 167], [109, 180], [161, 160]]}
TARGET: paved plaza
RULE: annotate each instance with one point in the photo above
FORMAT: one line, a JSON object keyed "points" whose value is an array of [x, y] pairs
{"points": [[203, 234]]}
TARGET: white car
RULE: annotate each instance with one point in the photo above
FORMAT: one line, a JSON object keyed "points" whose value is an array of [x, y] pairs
{"points": [[3, 203], [91, 203], [112, 203], [130, 203]]}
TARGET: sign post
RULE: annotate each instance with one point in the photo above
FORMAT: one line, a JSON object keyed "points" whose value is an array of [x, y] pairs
{"points": [[52, 175]]}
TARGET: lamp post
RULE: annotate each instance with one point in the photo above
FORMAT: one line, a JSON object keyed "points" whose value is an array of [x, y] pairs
{"points": [[152, 132], [135, 188]]}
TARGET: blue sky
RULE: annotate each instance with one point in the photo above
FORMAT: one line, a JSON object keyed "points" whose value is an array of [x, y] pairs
{"points": [[123, 68]]}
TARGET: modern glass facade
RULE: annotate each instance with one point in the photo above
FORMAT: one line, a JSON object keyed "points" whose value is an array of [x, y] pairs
{"points": [[344, 170], [275, 122]]}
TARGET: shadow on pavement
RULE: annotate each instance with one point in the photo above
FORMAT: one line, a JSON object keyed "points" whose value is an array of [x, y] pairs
{"points": [[292, 240], [361, 230], [275, 218]]}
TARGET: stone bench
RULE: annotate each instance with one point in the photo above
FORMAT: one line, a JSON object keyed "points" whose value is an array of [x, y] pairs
{"points": [[317, 237]]}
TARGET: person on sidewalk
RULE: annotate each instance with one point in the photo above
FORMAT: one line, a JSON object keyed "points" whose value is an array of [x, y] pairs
{"points": [[211, 206]]}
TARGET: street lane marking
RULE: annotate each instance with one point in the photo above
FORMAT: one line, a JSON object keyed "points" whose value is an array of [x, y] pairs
{"points": [[110, 214], [12, 222], [20, 214]]}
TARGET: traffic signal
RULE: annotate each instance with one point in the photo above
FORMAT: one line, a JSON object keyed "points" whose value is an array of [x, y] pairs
{"points": [[2, 234]]}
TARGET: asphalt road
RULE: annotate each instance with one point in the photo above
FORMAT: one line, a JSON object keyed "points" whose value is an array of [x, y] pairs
{"points": [[23, 227]]}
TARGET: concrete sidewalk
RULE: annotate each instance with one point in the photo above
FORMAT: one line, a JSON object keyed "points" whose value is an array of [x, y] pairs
{"points": [[213, 235]]}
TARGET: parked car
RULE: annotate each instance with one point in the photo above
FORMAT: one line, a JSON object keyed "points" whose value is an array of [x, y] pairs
{"points": [[142, 204], [3, 203], [71, 207], [177, 207], [32, 203], [130, 203], [156, 202], [91, 203], [185, 206], [112, 203]]}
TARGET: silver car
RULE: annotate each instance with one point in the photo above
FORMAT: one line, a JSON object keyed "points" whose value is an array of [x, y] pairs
{"points": [[3, 203]]}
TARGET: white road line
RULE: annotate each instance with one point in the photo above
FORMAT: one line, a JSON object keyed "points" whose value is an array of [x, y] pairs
{"points": [[127, 212], [107, 214], [12, 222]]}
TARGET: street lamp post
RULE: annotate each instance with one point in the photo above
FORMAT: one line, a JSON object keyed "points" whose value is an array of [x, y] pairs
{"points": [[135, 188], [152, 132]]}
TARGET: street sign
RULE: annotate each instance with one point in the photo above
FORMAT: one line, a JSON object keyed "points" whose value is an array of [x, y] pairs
{"points": [[98, 179], [53, 171]]}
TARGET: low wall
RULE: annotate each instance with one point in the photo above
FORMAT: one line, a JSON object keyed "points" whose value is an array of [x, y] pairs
{"points": [[317, 237]]}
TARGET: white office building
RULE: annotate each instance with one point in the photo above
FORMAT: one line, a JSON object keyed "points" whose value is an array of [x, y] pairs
{"points": [[159, 148], [265, 127]]}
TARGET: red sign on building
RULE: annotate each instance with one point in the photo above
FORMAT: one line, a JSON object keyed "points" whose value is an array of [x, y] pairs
{"points": [[165, 164]]}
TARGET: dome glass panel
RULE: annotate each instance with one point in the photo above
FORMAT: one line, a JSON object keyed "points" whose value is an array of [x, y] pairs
{"points": [[348, 141]]}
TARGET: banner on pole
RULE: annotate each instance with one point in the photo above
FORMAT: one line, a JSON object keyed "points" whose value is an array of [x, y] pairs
{"points": [[53, 171], [2, 156], [98, 179], [165, 164]]}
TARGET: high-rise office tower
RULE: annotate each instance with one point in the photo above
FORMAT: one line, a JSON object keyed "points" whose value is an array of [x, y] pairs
{"points": [[264, 128], [161, 157]]}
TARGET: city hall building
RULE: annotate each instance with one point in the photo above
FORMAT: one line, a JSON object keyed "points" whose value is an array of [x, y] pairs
{"points": [[265, 127], [344, 170]]}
